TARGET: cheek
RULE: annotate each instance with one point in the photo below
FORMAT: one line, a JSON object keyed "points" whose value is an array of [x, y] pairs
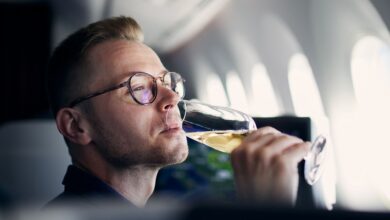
{"points": [[131, 123], [138, 121]]}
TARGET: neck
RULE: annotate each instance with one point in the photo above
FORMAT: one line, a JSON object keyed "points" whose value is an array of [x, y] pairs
{"points": [[135, 183]]}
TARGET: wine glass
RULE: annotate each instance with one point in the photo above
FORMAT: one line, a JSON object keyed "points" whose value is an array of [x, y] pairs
{"points": [[224, 128]]}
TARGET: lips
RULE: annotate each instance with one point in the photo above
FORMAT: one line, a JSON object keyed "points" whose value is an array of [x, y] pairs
{"points": [[174, 123], [172, 120], [172, 126]]}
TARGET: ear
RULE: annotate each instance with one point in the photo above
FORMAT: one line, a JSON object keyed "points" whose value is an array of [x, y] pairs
{"points": [[71, 125]]}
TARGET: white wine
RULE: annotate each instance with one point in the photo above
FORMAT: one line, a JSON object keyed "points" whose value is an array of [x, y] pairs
{"points": [[224, 141], [224, 129]]}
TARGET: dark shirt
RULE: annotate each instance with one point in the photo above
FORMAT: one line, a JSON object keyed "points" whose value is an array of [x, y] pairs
{"points": [[83, 188]]}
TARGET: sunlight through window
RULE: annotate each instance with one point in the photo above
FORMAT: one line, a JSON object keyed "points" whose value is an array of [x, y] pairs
{"points": [[264, 101], [215, 92], [304, 91], [236, 92], [370, 69]]}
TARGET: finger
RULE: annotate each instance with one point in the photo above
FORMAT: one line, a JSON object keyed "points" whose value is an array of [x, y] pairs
{"points": [[241, 173], [262, 131], [245, 154], [252, 151], [266, 130], [280, 144], [297, 152], [257, 141]]}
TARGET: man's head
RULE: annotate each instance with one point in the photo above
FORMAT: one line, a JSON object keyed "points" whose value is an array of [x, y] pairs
{"points": [[114, 126], [66, 76]]}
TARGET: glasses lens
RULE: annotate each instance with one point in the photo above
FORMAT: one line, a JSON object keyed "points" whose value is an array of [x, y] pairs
{"points": [[175, 82], [142, 87]]}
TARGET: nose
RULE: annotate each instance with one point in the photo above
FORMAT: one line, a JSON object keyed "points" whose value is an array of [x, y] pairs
{"points": [[167, 98]]}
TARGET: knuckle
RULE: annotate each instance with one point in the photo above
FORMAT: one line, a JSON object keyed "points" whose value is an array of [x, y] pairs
{"points": [[289, 138], [273, 135], [267, 129], [297, 139], [284, 137], [270, 137]]}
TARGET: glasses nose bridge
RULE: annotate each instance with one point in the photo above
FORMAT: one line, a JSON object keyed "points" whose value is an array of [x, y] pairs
{"points": [[163, 83]]}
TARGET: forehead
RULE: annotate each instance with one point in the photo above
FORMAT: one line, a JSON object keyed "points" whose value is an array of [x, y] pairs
{"points": [[113, 60]]}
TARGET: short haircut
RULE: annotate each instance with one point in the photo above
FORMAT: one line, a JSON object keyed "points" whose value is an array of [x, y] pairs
{"points": [[64, 74]]}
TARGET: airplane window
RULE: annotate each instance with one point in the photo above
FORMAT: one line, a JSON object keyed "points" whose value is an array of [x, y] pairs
{"points": [[304, 91], [370, 69], [264, 101], [215, 92], [236, 92]]}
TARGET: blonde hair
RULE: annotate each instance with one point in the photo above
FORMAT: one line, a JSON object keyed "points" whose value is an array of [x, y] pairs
{"points": [[64, 75]]}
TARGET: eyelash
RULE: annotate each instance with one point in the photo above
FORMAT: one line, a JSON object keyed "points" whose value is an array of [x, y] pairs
{"points": [[138, 88]]}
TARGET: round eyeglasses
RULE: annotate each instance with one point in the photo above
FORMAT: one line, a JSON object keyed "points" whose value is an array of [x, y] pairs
{"points": [[143, 87]]}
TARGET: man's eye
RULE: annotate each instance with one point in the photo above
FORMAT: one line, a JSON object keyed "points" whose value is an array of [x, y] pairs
{"points": [[138, 88]]}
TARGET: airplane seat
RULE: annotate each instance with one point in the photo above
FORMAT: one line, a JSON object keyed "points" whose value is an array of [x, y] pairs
{"points": [[5, 201], [33, 160]]}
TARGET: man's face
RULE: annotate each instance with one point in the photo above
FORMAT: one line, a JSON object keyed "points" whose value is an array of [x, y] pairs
{"points": [[124, 132]]}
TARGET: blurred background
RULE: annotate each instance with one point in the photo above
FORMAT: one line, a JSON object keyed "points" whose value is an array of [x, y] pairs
{"points": [[307, 67]]}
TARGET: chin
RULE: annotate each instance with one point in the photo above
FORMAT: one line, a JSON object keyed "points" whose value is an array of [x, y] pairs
{"points": [[182, 157], [170, 151], [179, 155]]}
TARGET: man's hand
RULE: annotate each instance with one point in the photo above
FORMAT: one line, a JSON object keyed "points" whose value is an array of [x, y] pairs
{"points": [[266, 167]]}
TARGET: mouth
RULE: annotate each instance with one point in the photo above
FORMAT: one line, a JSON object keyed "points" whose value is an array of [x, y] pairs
{"points": [[172, 121], [174, 127]]}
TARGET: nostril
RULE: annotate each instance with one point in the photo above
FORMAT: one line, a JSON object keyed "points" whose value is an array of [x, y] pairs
{"points": [[168, 107]]}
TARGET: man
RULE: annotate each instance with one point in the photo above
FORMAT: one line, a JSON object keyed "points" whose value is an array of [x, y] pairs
{"points": [[110, 95]]}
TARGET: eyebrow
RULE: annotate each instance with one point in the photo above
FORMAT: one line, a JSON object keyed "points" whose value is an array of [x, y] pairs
{"points": [[164, 71], [126, 75]]}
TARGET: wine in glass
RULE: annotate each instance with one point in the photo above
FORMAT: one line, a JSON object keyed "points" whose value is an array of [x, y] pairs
{"points": [[224, 128]]}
